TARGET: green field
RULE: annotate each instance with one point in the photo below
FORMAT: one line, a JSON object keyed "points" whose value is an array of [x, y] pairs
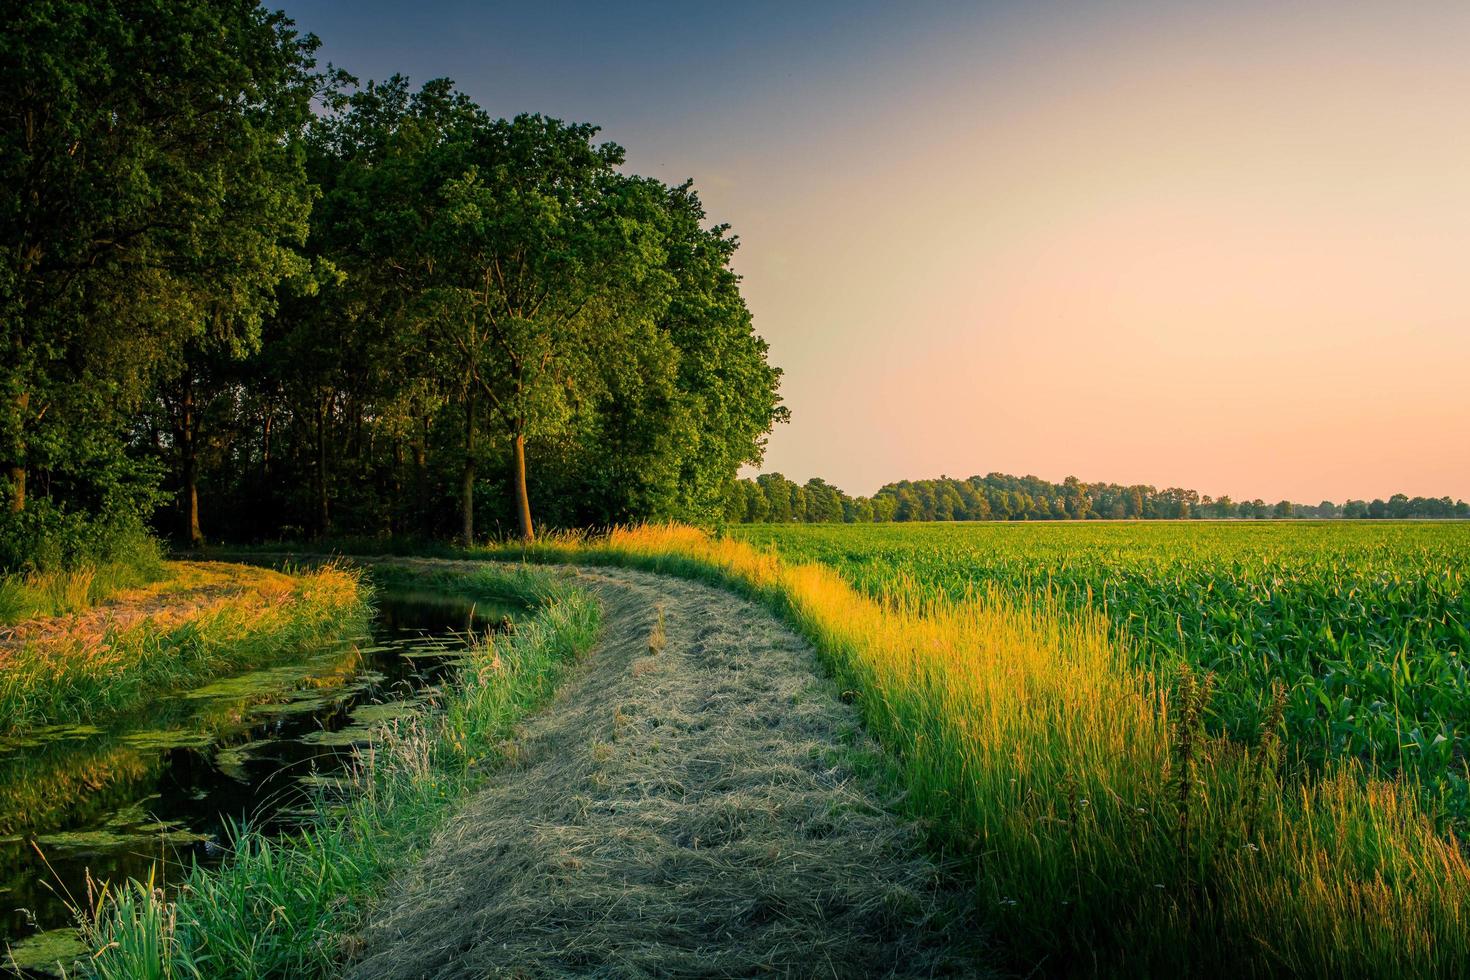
{"points": [[1367, 624]]}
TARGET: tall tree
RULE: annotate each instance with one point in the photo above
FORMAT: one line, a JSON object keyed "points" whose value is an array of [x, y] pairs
{"points": [[543, 258], [153, 193]]}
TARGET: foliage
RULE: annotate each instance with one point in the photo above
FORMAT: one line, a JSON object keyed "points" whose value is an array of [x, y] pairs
{"points": [[154, 193], [289, 907]]}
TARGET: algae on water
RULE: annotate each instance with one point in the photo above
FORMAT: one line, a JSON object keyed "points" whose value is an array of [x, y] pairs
{"points": [[52, 951]]}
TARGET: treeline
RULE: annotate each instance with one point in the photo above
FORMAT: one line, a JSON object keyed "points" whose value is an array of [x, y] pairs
{"points": [[243, 296], [771, 498]]}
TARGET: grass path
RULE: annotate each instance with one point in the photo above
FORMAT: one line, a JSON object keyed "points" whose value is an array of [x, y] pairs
{"points": [[690, 804]]}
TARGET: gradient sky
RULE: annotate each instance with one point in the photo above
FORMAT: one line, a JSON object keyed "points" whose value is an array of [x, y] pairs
{"points": [[1215, 245]]}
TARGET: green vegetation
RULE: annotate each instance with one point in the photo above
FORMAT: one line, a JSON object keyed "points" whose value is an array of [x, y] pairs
{"points": [[1367, 626], [772, 498], [1107, 832], [222, 311], [155, 198], [201, 621], [59, 574], [289, 907]]}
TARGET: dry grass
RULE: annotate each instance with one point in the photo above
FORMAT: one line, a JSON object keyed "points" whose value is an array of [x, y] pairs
{"points": [[700, 816]]}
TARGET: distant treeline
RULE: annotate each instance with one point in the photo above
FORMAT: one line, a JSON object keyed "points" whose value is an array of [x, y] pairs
{"points": [[772, 498]]}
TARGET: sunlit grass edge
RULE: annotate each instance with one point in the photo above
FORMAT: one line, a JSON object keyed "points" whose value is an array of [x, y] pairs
{"points": [[89, 675]]}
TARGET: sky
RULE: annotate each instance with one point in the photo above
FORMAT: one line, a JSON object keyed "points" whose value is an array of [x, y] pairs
{"points": [[1223, 246]]}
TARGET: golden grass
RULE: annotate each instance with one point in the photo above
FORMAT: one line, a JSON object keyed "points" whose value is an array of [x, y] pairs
{"points": [[1104, 837], [206, 619]]}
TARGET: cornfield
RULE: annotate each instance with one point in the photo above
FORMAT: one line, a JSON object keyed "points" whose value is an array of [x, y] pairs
{"points": [[1367, 626]]}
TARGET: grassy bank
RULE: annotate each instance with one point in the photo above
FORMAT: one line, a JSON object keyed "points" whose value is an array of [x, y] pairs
{"points": [[57, 589], [1364, 623], [289, 907], [1107, 832], [200, 621]]}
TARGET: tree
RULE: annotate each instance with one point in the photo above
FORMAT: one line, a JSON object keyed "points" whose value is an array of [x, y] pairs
{"points": [[672, 428], [1133, 502], [1076, 500], [824, 502], [776, 489], [857, 510], [542, 257], [153, 166]]}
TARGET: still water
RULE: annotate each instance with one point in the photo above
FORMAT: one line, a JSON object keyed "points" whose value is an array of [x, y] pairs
{"points": [[164, 784]]}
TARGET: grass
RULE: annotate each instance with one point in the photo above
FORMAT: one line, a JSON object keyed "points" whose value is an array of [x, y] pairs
{"points": [[1107, 830], [290, 907], [1366, 624], [203, 620], [58, 591]]}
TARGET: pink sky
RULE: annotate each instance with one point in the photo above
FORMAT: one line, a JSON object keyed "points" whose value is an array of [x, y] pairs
{"points": [[1228, 252], [1219, 244]]}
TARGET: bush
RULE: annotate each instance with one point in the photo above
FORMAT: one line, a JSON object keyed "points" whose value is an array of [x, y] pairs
{"points": [[54, 561]]}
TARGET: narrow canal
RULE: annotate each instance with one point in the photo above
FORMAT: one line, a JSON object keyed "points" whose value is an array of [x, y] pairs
{"points": [[163, 787]]}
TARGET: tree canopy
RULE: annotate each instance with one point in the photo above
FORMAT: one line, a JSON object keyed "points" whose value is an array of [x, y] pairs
{"points": [[267, 300]]}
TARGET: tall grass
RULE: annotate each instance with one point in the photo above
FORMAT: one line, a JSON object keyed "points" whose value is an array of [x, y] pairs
{"points": [[55, 591], [1107, 832], [290, 907], [1366, 624], [87, 675]]}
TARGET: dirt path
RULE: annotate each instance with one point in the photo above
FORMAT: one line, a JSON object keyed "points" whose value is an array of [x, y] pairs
{"points": [[689, 811]]}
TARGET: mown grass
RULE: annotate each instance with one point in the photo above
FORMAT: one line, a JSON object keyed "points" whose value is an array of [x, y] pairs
{"points": [[1107, 831], [86, 671], [290, 907]]}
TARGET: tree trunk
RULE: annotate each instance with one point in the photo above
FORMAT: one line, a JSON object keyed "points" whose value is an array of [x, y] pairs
{"points": [[415, 511], [265, 448], [523, 501], [188, 469], [395, 513], [324, 515], [16, 471], [467, 488], [421, 461]]}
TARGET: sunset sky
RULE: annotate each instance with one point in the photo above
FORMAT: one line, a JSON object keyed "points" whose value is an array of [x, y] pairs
{"points": [[1215, 245]]}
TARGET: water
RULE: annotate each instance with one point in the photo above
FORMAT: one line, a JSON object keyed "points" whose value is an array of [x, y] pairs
{"points": [[163, 784]]}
